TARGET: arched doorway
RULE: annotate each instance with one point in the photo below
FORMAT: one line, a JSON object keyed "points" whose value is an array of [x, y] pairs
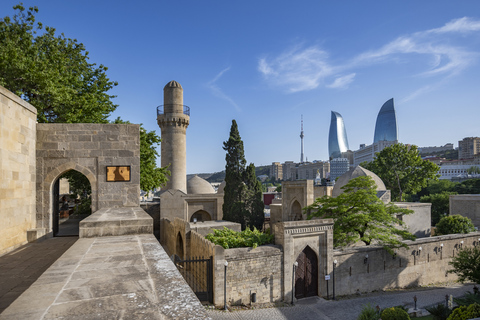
{"points": [[179, 247], [296, 211], [201, 215], [71, 203], [306, 274]]}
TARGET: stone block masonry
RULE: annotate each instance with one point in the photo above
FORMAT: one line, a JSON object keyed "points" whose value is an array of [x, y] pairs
{"points": [[87, 148], [412, 267], [17, 170], [258, 270]]}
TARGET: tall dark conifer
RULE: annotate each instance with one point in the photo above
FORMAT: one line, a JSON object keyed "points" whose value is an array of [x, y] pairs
{"points": [[253, 199], [233, 204]]}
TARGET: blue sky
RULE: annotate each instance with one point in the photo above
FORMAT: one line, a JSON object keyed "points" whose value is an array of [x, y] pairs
{"points": [[265, 63]]}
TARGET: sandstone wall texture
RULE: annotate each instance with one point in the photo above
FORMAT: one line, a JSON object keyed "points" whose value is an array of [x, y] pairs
{"points": [[409, 268], [87, 148], [258, 270], [17, 170]]}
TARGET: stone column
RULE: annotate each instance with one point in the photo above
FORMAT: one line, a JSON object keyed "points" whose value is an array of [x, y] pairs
{"points": [[173, 120]]}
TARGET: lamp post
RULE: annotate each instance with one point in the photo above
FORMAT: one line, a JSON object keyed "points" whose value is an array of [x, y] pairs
{"points": [[225, 287], [334, 265], [295, 265]]}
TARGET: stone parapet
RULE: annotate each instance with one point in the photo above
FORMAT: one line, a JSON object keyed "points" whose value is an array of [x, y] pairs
{"points": [[116, 222]]}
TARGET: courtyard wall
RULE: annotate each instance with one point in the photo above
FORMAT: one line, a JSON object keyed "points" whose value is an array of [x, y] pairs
{"points": [[410, 267], [17, 170]]}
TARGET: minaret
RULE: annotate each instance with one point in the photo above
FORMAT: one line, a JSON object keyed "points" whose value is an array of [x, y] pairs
{"points": [[301, 137], [173, 119]]}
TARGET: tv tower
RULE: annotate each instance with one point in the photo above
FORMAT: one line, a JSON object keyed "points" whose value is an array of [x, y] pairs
{"points": [[301, 137]]}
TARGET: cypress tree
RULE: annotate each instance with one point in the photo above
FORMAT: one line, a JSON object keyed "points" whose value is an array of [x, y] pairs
{"points": [[253, 199], [233, 199], [242, 200]]}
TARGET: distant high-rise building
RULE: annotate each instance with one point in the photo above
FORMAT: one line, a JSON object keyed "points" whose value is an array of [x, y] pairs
{"points": [[289, 170], [337, 138], [276, 171], [468, 147], [386, 126], [338, 167]]}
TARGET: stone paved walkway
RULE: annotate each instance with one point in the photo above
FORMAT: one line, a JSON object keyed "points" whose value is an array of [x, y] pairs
{"points": [[20, 268], [347, 309], [118, 277]]}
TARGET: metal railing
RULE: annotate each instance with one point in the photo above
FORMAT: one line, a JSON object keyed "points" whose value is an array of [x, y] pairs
{"points": [[186, 110]]}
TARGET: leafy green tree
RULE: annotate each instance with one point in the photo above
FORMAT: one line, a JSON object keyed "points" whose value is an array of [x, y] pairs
{"points": [[52, 72], [473, 170], [440, 205], [360, 216], [253, 199], [79, 184], [465, 313], [454, 224], [402, 169], [433, 187], [470, 186], [228, 238], [150, 175]]}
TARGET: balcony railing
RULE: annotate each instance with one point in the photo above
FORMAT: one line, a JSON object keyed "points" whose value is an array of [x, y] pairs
{"points": [[186, 110]]}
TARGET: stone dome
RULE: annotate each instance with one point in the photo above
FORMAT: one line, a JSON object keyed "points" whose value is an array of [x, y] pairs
{"points": [[173, 84], [197, 185], [221, 187], [355, 173]]}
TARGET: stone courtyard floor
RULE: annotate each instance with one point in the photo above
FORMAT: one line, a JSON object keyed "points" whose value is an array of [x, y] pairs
{"points": [[346, 308]]}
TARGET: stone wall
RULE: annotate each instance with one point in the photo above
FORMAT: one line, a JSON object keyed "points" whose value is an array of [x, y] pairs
{"points": [[419, 222], [409, 268], [258, 270], [153, 209], [17, 170], [173, 236], [467, 205], [89, 149]]}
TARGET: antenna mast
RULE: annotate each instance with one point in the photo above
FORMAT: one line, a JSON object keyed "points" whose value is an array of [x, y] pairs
{"points": [[301, 137]]}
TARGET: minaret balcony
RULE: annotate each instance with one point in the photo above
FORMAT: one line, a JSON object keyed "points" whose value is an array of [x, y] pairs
{"points": [[160, 110]]}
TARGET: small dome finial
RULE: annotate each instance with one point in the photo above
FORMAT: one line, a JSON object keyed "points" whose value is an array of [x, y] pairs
{"points": [[173, 84]]}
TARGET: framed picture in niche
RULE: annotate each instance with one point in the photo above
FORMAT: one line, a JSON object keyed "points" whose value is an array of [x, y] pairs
{"points": [[118, 173]]}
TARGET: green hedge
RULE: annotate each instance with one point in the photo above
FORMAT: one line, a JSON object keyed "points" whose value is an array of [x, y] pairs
{"points": [[228, 238]]}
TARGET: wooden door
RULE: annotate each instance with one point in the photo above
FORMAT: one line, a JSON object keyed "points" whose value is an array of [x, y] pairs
{"points": [[306, 274]]}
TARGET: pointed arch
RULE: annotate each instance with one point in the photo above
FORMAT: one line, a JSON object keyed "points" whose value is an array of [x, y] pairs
{"points": [[47, 188], [306, 274], [201, 215], [296, 210]]}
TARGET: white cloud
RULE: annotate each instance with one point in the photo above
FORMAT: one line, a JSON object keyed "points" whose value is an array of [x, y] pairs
{"points": [[302, 69], [218, 92], [297, 69], [342, 82]]}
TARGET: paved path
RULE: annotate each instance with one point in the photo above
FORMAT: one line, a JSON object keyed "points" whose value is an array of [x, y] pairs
{"points": [[118, 277], [347, 309], [20, 268]]}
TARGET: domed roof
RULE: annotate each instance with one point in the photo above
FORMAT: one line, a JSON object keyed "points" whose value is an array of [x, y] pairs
{"points": [[173, 84], [197, 185], [355, 173], [221, 187]]}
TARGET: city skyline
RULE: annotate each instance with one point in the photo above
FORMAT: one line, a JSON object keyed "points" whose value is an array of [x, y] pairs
{"points": [[266, 65]]}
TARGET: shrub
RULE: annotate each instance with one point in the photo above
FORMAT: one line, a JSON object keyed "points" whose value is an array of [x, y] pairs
{"points": [[394, 314], [468, 299], [465, 313], [439, 312], [228, 238], [368, 313], [454, 224]]}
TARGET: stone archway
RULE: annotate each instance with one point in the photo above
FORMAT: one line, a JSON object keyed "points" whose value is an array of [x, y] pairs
{"points": [[201, 215], [296, 211], [48, 190], [306, 274]]}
